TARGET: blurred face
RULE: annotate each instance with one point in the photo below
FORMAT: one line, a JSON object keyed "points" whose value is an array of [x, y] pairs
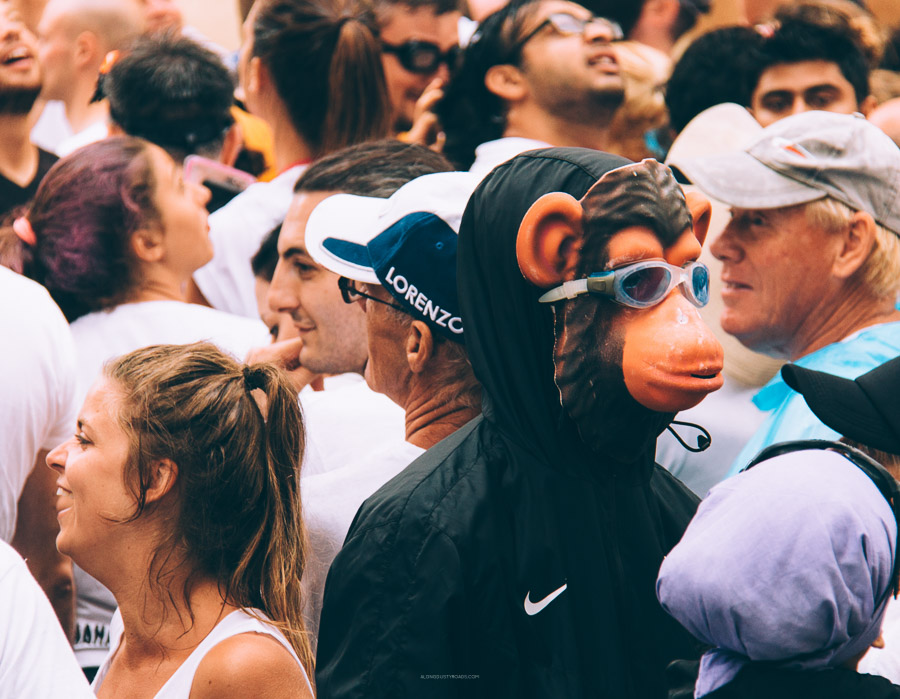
{"points": [[92, 497], [572, 74], [56, 49], [333, 332], [404, 24], [20, 74], [182, 209], [162, 16], [793, 88], [777, 285]]}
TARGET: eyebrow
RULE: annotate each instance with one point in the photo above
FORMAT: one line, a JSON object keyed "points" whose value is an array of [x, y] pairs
{"points": [[296, 250]]}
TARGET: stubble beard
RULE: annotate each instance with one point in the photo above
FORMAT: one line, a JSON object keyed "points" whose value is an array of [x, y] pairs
{"points": [[18, 100]]}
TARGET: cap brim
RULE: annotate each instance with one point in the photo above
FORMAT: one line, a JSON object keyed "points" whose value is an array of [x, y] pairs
{"points": [[723, 128], [338, 231], [741, 181], [842, 405]]}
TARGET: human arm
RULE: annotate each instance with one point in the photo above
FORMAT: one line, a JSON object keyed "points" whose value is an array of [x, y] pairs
{"points": [[35, 540], [426, 128], [286, 354], [249, 665]]}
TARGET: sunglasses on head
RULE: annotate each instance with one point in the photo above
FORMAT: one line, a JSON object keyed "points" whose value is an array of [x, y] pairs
{"points": [[640, 284], [422, 56]]}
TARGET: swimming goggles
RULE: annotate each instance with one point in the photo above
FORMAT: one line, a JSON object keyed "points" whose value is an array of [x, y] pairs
{"points": [[640, 284]]}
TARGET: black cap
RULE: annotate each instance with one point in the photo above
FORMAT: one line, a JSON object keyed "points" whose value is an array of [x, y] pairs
{"points": [[866, 410]]}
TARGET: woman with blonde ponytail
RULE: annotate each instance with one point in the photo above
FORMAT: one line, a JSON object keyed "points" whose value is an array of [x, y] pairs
{"points": [[180, 492]]}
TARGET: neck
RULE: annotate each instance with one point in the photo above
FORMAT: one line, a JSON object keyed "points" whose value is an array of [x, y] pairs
{"points": [[847, 315], [160, 622], [159, 284], [80, 112], [290, 146], [527, 121], [18, 155], [428, 421]]}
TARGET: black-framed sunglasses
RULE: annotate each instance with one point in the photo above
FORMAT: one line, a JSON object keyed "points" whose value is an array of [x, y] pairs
{"points": [[351, 293], [570, 25], [422, 56]]}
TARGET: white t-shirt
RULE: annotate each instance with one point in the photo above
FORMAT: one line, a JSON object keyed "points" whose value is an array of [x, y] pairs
{"points": [[490, 154], [236, 231], [91, 134], [35, 657], [102, 335], [52, 127], [330, 502], [178, 686], [346, 422], [37, 385]]}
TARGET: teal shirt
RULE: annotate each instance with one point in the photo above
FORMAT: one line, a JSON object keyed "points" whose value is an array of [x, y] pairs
{"points": [[790, 417]]}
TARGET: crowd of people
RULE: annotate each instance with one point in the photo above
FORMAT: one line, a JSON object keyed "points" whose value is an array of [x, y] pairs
{"points": [[424, 348]]}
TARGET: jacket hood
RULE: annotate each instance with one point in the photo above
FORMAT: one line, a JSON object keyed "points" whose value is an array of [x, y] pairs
{"points": [[509, 334]]}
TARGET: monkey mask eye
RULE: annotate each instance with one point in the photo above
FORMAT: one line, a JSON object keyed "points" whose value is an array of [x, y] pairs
{"points": [[640, 284]]}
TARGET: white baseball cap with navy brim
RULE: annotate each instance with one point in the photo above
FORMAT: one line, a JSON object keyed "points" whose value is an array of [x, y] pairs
{"points": [[407, 243]]}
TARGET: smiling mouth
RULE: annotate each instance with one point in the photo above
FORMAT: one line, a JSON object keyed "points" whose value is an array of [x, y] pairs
{"points": [[20, 53]]}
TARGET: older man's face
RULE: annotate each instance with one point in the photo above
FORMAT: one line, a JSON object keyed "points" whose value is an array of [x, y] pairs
{"points": [[777, 281]]}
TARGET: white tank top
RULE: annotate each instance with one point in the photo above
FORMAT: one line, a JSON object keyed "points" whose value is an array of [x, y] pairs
{"points": [[179, 684]]}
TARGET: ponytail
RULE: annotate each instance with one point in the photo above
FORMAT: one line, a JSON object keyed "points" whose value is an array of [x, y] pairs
{"points": [[324, 59], [357, 92], [277, 558], [236, 434]]}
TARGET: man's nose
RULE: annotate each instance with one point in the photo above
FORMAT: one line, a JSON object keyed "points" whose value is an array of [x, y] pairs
{"points": [[280, 296], [724, 246]]}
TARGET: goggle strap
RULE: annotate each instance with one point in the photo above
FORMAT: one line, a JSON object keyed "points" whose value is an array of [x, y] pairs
{"points": [[566, 290]]}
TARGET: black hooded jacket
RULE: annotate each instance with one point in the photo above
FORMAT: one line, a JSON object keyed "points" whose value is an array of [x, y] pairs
{"points": [[509, 560]]}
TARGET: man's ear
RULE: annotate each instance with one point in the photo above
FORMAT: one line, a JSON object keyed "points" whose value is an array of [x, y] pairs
{"points": [[420, 346], [857, 243], [256, 75], [87, 48], [231, 148], [163, 473], [549, 239], [506, 81], [147, 244], [701, 211], [868, 105]]}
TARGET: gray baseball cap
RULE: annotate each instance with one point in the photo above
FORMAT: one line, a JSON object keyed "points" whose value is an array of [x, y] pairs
{"points": [[803, 158]]}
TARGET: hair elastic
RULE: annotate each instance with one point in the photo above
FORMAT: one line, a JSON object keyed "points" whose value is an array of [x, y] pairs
{"points": [[23, 229]]}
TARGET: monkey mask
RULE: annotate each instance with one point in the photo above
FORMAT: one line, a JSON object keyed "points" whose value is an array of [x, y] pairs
{"points": [[630, 348]]}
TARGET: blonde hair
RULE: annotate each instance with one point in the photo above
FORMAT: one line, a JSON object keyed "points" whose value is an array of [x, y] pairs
{"points": [[238, 473], [880, 273]]}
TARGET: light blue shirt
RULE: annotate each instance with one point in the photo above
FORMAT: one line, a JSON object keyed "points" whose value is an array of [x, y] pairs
{"points": [[790, 417]]}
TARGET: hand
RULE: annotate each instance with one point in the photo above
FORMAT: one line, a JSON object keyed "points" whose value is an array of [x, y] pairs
{"points": [[426, 129], [286, 354]]}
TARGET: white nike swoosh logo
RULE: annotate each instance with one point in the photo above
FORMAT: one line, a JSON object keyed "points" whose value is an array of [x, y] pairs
{"points": [[532, 608]]}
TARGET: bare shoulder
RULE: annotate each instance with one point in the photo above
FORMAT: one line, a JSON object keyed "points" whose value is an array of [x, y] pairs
{"points": [[249, 664]]}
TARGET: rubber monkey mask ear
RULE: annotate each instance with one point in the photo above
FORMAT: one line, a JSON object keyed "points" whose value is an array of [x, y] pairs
{"points": [[549, 241], [636, 212]]}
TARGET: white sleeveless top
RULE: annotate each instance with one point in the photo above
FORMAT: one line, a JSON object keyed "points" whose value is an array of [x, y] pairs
{"points": [[179, 684]]}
